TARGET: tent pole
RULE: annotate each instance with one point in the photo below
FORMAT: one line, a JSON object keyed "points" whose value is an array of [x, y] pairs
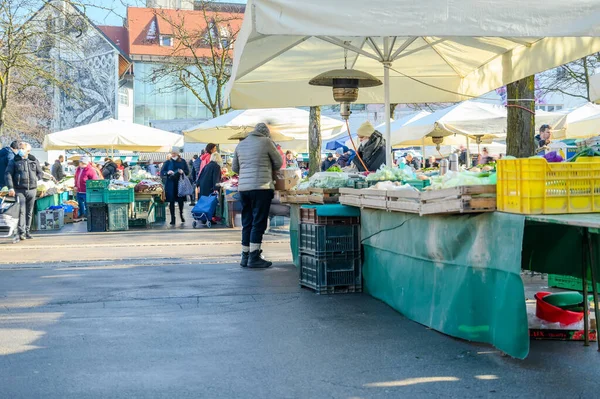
{"points": [[423, 152], [468, 157], [388, 128]]}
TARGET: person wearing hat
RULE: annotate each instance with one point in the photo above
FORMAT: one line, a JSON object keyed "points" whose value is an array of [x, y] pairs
{"points": [[371, 149], [254, 161], [85, 171], [328, 162]]}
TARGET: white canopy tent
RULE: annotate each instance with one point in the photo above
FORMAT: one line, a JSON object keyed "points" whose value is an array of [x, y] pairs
{"points": [[581, 122], [112, 134], [290, 122], [425, 51], [469, 118]]}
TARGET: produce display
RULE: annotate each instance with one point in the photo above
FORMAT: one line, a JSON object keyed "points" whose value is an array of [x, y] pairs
{"points": [[387, 173], [392, 185], [120, 185], [148, 186], [461, 178], [325, 180]]}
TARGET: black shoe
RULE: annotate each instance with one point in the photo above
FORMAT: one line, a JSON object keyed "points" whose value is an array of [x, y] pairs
{"points": [[172, 221], [244, 261], [182, 219], [22, 237], [192, 203], [28, 236], [257, 261]]}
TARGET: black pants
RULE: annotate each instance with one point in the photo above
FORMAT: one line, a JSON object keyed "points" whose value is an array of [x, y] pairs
{"points": [[172, 207], [255, 215], [27, 200]]}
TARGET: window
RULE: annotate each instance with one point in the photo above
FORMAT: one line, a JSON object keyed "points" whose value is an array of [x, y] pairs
{"points": [[166, 41], [123, 96], [224, 36]]}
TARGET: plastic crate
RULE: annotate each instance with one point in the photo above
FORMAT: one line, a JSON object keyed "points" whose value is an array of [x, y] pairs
{"points": [[160, 212], [43, 203], [330, 276], [94, 195], [533, 186], [119, 196], [97, 217], [309, 215], [118, 217], [62, 197], [418, 184], [92, 184], [323, 240], [138, 222], [142, 208], [569, 283]]}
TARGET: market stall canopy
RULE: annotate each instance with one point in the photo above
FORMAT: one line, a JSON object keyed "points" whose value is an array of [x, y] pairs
{"points": [[474, 119], [581, 122], [438, 53], [290, 122], [115, 135]]}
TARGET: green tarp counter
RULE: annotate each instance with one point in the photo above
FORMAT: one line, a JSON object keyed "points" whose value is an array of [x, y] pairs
{"points": [[460, 274]]}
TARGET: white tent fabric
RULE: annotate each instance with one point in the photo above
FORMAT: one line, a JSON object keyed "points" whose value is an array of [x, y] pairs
{"points": [[114, 135], [581, 122], [595, 87], [424, 51], [469, 118], [291, 122]]}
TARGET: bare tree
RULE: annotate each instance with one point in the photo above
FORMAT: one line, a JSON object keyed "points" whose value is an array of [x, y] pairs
{"points": [[32, 34], [202, 48], [314, 141], [572, 79], [520, 118]]}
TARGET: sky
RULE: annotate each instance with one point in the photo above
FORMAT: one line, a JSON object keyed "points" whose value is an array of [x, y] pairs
{"points": [[112, 12]]}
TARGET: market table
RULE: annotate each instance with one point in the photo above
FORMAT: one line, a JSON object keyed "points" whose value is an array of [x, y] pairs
{"points": [[461, 274]]}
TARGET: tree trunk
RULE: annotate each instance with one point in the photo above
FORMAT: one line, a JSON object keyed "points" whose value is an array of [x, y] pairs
{"points": [[521, 118], [393, 110], [314, 141]]}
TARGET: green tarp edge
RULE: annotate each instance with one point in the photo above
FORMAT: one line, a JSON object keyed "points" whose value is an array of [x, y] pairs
{"points": [[458, 274]]}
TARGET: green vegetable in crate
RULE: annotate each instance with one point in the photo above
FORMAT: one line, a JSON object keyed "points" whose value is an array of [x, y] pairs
{"points": [[334, 168]]}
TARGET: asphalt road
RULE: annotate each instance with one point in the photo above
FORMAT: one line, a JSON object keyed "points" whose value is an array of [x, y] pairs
{"points": [[127, 326]]}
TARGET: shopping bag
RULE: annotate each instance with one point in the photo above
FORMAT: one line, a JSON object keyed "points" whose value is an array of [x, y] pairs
{"points": [[184, 187]]}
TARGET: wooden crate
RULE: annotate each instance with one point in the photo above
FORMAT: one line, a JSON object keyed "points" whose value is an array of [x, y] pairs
{"points": [[374, 199], [351, 191], [463, 199], [323, 199], [351, 200], [404, 201]]}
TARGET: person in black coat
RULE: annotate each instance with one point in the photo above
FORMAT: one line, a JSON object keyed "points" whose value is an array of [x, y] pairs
{"points": [[371, 150], [210, 175], [109, 170], [171, 172], [7, 154]]}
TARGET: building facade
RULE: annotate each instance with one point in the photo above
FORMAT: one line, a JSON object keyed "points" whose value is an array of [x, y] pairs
{"points": [[91, 64]]}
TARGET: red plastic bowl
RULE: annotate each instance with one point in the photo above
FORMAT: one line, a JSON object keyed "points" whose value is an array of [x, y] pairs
{"points": [[553, 314]]}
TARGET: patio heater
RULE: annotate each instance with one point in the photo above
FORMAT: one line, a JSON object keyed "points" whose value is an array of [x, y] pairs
{"points": [[345, 84]]}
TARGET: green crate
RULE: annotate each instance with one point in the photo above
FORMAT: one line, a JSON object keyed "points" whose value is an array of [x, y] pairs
{"points": [[418, 184], [62, 197], [94, 195], [96, 184], [118, 217], [569, 283], [43, 203], [160, 212], [119, 196]]}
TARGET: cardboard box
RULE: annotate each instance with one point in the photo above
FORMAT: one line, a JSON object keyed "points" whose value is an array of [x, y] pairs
{"points": [[69, 217], [51, 219], [286, 183]]}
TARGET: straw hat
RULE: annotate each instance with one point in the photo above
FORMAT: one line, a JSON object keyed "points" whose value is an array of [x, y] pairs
{"points": [[365, 130]]}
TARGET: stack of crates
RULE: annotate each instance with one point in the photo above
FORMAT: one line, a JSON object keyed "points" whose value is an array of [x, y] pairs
{"points": [[97, 212], [330, 252]]}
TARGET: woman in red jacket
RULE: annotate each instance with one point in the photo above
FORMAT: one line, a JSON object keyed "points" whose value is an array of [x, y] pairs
{"points": [[85, 171]]}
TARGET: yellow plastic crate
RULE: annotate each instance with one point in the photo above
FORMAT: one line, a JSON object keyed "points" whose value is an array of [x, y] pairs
{"points": [[534, 186]]}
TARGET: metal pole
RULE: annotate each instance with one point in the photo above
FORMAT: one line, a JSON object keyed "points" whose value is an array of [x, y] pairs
{"points": [[468, 157], [423, 154], [586, 306], [388, 128], [594, 282]]}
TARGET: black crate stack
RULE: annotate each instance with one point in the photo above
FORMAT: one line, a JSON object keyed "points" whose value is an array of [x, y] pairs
{"points": [[330, 253]]}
